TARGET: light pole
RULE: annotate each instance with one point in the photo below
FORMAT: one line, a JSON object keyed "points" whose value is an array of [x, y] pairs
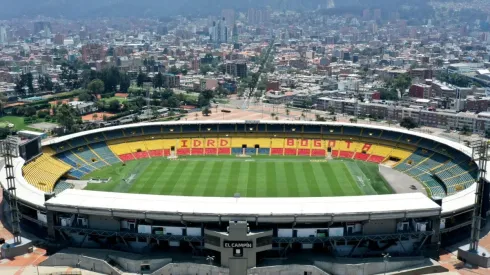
{"points": [[385, 259]]}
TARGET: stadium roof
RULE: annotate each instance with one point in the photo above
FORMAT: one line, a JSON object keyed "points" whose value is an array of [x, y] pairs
{"points": [[453, 144], [265, 207], [88, 202]]}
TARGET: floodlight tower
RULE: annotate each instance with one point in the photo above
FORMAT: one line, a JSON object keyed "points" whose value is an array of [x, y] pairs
{"points": [[480, 153], [10, 150]]}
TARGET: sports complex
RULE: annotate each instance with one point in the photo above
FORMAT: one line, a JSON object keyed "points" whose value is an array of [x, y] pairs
{"points": [[246, 191]]}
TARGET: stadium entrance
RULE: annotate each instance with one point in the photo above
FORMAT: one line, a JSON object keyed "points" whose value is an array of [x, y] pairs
{"points": [[238, 247]]}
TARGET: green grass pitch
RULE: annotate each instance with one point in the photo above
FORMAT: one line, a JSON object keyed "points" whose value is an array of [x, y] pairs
{"points": [[260, 176]]}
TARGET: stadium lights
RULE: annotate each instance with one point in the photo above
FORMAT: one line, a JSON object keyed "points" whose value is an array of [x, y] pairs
{"points": [[171, 130], [370, 134], [331, 130], [209, 129], [293, 129], [251, 128]]}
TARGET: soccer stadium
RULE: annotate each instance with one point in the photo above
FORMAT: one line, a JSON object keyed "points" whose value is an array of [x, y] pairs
{"points": [[248, 191]]}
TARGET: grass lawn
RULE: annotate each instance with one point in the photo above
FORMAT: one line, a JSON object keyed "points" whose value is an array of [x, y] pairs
{"points": [[120, 99], [16, 120], [19, 123], [223, 176]]}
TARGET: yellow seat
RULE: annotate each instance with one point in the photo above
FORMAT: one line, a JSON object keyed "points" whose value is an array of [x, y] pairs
{"points": [[44, 172]]}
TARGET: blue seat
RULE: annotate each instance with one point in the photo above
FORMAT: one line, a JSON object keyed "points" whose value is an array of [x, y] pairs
{"points": [[388, 135]]}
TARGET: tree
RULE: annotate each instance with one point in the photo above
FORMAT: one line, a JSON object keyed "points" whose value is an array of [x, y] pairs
{"points": [[402, 82], [96, 86], [142, 77], [158, 81], [114, 105], [84, 96], [173, 102], [125, 83], [287, 112], [204, 69], [45, 83], [388, 94], [29, 80], [42, 113], [29, 111], [319, 118], [331, 110], [69, 75], [487, 133], [206, 111], [3, 102], [68, 118], [204, 98], [465, 131], [353, 120], [94, 116], [408, 123], [173, 70]]}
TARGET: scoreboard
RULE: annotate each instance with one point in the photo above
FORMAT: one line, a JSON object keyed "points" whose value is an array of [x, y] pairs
{"points": [[30, 148]]}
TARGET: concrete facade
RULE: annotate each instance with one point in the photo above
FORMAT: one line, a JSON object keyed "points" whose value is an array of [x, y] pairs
{"points": [[238, 247]]}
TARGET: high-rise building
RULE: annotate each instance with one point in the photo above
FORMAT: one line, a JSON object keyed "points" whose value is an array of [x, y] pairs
{"points": [[229, 16], [42, 26], [219, 32], [258, 16], [3, 35], [93, 52], [237, 68], [235, 33], [59, 39], [251, 16]]}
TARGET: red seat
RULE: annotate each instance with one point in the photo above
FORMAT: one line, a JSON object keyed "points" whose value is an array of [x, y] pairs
{"points": [[361, 156], [224, 151], [166, 152], [335, 153], [376, 159], [126, 157], [183, 151], [156, 153], [290, 151], [317, 152], [346, 154], [210, 151], [141, 155], [304, 152], [197, 151], [277, 151]]}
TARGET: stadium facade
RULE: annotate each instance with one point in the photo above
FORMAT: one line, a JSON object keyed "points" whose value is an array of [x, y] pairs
{"points": [[244, 230]]}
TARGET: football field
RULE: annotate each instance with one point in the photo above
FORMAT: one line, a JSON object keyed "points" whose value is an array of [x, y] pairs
{"points": [[224, 176]]}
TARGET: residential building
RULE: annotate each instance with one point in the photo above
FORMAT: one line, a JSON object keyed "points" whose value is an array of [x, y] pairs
{"points": [[3, 35], [237, 68], [83, 107]]}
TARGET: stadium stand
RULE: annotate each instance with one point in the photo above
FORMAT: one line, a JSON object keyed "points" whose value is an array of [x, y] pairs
{"points": [[44, 171], [62, 186], [86, 154], [392, 136], [104, 152], [77, 142], [74, 161], [424, 159]]}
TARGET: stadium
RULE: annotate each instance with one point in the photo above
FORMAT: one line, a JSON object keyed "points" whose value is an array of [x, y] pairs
{"points": [[247, 191]]}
